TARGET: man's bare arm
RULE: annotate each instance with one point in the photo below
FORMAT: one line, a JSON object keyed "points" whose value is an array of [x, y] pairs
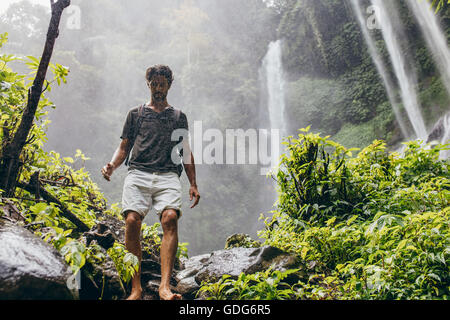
{"points": [[189, 166], [118, 158]]}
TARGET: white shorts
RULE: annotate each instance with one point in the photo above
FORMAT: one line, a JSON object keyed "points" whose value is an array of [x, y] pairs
{"points": [[142, 190]]}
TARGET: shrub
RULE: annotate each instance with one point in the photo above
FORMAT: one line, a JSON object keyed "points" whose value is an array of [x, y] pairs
{"points": [[383, 233]]}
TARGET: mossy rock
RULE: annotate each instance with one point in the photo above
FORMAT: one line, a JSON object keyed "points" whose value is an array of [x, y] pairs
{"points": [[241, 240]]}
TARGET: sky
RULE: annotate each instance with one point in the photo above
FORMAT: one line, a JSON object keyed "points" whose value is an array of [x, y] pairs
{"points": [[4, 4]]}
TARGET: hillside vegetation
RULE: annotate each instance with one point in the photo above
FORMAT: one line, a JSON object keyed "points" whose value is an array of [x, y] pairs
{"points": [[370, 226]]}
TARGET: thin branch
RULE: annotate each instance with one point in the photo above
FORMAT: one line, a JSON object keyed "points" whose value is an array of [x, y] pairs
{"points": [[65, 212]]}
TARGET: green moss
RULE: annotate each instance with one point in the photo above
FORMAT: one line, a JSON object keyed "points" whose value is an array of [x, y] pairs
{"points": [[434, 99], [361, 135]]}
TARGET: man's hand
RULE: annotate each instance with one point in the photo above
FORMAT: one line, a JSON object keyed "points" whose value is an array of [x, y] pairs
{"points": [[117, 159], [193, 192], [107, 171]]}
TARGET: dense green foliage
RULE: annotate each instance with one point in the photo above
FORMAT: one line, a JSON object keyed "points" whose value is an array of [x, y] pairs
{"points": [[266, 285], [373, 226], [439, 4]]}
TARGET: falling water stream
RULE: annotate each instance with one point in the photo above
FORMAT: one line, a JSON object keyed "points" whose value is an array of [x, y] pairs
{"points": [[273, 71], [437, 43], [273, 85], [273, 99], [390, 27], [377, 59], [434, 37]]}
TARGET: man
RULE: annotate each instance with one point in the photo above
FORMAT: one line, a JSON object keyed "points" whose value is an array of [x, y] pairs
{"points": [[152, 178]]}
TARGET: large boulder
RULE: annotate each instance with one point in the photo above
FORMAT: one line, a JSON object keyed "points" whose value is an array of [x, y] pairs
{"points": [[233, 262], [30, 268]]}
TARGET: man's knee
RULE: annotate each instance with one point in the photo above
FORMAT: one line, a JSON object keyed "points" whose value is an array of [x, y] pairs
{"points": [[132, 217], [169, 218]]}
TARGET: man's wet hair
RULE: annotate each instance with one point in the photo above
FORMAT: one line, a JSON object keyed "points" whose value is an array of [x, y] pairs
{"points": [[161, 70]]}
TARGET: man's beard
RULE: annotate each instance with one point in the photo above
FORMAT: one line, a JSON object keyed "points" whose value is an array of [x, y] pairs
{"points": [[159, 96]]}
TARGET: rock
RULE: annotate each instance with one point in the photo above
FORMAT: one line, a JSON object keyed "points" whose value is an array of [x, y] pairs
{"points": [[195, 263], [31, 268], [151, 289], [241, 240], [151, 276], [149, 265], [439, 129], [233, 262], [102, 234], [248, 260], [115, 225], [101, 281], [273, 257], [441, 134], [187, 287]]}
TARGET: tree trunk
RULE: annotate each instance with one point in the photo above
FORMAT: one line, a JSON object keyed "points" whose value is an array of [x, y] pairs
{"points": [[10, 161]]}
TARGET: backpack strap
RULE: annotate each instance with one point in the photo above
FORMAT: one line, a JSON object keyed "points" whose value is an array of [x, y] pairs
{"points": [[180, 166], [177, 118], [136, 131], [177, 115]]}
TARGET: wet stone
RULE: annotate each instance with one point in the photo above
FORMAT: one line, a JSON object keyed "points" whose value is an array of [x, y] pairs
{"points": [[31, 268]]}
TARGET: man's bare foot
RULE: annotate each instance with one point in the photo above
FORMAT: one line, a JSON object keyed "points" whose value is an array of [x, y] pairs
{"points": [[166, 294], [136, 294]]}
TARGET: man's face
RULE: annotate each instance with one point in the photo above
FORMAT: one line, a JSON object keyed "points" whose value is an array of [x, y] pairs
{"points": [[159, 87]]}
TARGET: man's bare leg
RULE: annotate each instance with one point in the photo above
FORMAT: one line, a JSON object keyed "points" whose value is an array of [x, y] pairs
{"points": [[133, 244], [169, 245]]}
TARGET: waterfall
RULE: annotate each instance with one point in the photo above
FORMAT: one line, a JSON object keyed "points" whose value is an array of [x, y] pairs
{"points": [[445, 154], [434, 37], [273, 106], [390, 25], [272, 109], [272, 70], [379, 64], [273, 100]]}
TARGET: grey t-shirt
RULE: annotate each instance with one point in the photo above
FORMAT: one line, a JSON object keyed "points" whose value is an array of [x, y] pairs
{"points": [[153, 147]]}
